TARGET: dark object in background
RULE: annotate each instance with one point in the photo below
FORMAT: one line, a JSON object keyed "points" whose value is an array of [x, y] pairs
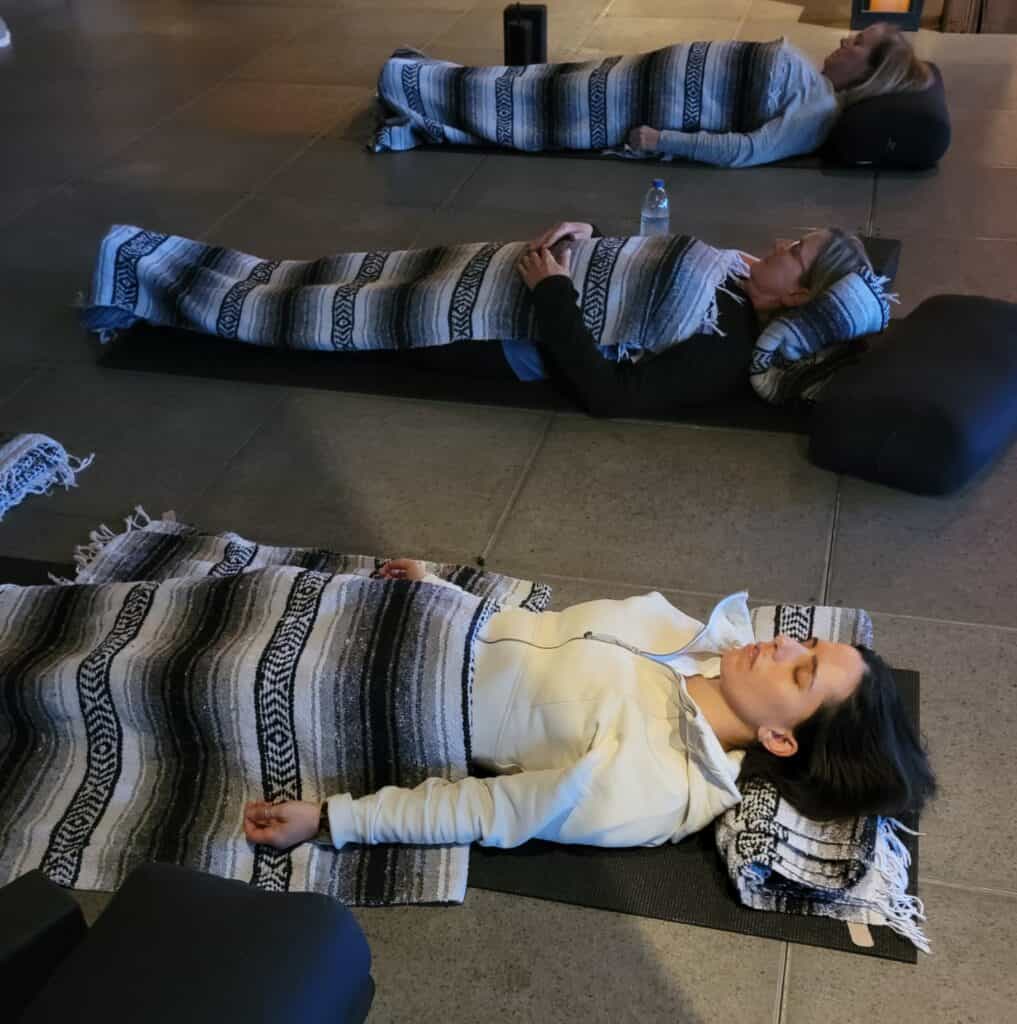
{"points": [[931, 404], [525, 34], [899, 130], [40, 924], [175, 945], [907, 21]]}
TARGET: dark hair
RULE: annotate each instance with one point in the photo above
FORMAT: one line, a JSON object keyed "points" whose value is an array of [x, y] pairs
{"points": [[858, 757]]}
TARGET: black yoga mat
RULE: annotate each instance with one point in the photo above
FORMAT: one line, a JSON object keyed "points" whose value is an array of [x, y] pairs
{"points": [[686, 882], [163, 350]]}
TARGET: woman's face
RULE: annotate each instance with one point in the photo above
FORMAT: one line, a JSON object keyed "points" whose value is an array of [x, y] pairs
{"points": [[777, 685], [850, 64], [779, 273]]}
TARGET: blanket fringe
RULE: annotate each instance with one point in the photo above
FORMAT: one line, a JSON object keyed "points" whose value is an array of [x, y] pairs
{"points": [[100, 538], [891, 861]]}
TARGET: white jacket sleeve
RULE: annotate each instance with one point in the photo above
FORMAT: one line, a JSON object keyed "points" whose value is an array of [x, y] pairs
{"points": [[502, 811]]}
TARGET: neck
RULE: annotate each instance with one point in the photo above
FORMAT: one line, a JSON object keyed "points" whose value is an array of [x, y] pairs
{"points": [[732, 732], [761, 303]]}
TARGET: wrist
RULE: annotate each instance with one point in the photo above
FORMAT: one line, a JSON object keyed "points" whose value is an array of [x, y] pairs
{"points": [[323, 834]]}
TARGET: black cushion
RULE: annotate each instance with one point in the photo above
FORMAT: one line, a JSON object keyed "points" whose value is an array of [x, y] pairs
{"points": [[904, 129], [39, 925], [932, 402], [178, 945]]}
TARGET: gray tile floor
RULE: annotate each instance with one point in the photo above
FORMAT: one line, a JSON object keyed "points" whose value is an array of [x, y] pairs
{"points": [[238, 121]]}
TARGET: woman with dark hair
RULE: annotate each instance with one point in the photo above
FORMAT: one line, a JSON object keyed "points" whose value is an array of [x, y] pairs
{"points": [[585, 731], [732, 104]]}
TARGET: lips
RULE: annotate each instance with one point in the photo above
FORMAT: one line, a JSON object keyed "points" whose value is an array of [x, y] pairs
{"points": [[753, 654]]}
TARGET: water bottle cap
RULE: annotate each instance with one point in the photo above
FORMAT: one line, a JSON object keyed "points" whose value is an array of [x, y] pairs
{"points": [[658, 182]]}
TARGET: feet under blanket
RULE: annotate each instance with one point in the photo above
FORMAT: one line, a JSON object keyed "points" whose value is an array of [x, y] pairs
{"points": [[636, 294], [689, 87], [119, 743], [853, 870], [34, 464]]}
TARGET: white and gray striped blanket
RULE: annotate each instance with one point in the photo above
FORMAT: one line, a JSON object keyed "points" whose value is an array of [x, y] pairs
{"points": [[636, 294], [853, 869], [137, 718], [34, 464], [691, 87]]}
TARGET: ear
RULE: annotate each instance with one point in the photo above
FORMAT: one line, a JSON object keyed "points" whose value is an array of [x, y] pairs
{"points": [[798, 297], [778, 742]]}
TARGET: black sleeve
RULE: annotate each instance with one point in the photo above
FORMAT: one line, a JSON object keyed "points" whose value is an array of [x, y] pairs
{"points": [[700, 369]]}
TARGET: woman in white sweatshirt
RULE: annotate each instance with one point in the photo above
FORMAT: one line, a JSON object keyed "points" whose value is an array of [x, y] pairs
{"points": [[581, 737]]}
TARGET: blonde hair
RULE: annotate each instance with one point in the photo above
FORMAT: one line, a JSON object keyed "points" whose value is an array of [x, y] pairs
{"points": [[895, 68], [841, 255]]}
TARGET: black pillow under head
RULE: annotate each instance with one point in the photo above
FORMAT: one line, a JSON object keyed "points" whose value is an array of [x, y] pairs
{"points": [[900, 130]]}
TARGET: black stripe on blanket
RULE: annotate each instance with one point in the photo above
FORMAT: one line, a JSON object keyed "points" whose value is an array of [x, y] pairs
{"points": [[74, 830], [695, 70]]}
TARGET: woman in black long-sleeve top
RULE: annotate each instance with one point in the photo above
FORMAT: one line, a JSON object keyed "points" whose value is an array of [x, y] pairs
{"points": [[703, 368]]}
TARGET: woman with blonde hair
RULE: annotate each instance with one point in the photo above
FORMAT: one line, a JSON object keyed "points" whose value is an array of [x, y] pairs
{"points": [[875, 62], [727, 103]]}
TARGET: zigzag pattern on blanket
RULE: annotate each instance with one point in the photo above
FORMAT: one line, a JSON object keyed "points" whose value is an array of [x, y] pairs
{"points": [[412, 298], [161, 549], [717, 87], [140, 717], [34, 464]]}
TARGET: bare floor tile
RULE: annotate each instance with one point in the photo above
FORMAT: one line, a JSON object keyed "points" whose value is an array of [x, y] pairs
{"points": [[968, 715], [285, 227], [174, 158], [593, 189], [63, 234], [977, 88], [937, 558], [270, 108], [670, 506], [158, 441], [588, 965], [967, 978], [949, 202], [955, 266], [376, 475], [337, 169], [640, 35], [33, 530]]}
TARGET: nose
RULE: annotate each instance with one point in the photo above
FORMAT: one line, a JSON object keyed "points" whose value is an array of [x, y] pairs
{"points": [[784, 646]]}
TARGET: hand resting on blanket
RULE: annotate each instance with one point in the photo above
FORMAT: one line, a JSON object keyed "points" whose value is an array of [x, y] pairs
{"points": [[583, 736]]}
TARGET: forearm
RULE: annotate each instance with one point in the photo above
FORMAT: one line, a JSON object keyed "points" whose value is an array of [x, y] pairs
{"points": [[721, 149], [502, 811]]}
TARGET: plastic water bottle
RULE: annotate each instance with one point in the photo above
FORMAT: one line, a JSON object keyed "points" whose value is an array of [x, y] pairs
{"points": [[656, 218]]}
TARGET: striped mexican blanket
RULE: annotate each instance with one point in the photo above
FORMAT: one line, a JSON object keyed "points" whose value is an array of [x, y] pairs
{"points": [[34, 464], [712, 87], [160, 549], [137, 718], [636, 294]]}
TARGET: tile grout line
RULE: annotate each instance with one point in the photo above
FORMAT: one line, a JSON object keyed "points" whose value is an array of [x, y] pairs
{"points": [[982, 890], [230, 459], [873, 202], [516, 490], [780, 1004], [831, 541], [79, 179]]}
